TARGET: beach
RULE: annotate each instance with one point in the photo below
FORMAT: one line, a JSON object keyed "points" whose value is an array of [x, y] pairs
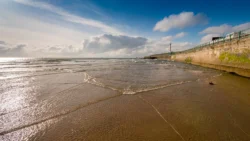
{"points": [[121, 99]]}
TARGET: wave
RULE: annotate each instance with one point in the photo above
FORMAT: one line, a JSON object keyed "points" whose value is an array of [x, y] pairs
{"points": [[127, 91]]}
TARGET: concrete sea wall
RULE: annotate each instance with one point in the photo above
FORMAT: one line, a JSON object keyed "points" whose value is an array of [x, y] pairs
{"points": [[233, 56]]}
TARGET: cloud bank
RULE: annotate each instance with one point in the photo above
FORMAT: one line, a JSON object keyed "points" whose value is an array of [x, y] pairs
{"points": [[180, 21], [106, 45], [126, 46], [108, 42], [8, 50]]}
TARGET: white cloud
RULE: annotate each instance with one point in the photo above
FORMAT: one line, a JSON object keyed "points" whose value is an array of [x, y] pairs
{"points": [[180, 21], [9, 50], [59, 51], [46, 37], [105, 45], [19, 26], [167, 38], [108, 42], [2, 43], [208, 37], [178, 35], [38, 34], [70, 17], [241, 27], [162, 46], [225, 28], [221, 30], [125, 46]]}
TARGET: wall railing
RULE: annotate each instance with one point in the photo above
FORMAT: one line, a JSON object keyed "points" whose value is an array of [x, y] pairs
{"points": [[228, 38]]}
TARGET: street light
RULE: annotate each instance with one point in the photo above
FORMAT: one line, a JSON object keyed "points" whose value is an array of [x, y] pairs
{"points": [[170, 48]]}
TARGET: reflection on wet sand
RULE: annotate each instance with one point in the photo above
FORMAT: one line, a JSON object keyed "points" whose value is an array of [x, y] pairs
{"points": [[120, 99]]}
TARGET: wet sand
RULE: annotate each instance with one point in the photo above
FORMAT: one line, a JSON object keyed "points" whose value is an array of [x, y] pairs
{"points": [[67, 107]]}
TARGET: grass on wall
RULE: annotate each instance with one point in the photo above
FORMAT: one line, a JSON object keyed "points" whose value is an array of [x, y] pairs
{"points": [[234, 58], [188, 60]]}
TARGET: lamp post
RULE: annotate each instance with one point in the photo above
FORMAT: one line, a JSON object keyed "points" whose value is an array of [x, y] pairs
{"points": [[170, 48]]}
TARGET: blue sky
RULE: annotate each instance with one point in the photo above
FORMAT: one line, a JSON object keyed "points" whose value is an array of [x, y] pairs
{"points": [[113, 28]]}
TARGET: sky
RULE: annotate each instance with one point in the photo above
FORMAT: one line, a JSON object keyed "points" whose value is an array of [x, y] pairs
{"points": [[114, 28]]}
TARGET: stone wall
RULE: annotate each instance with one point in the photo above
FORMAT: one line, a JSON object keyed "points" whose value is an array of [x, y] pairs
{"points": [[233, 56]]}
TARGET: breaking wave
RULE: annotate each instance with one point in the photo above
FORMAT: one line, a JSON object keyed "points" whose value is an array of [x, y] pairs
{"points": [[128, 91]]}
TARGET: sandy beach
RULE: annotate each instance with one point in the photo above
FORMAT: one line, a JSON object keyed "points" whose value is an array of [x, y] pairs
{"points": [[124, 70], [125, 99]]}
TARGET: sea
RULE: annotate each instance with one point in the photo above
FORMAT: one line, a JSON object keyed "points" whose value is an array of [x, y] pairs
{"points": [[37, 93]]}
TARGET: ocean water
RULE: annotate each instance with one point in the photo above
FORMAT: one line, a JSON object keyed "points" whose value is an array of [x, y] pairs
{"points": [[36, 93], [128, 76]]}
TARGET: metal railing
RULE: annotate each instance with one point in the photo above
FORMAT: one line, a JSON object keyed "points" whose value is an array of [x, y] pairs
{"points": [[228, 38]]}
